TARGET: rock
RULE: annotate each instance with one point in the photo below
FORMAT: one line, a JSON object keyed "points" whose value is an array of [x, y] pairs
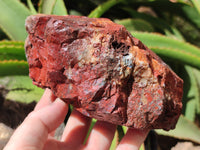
{"points": [[59, 132], [5, 134], [185, 146], [104, 72]]}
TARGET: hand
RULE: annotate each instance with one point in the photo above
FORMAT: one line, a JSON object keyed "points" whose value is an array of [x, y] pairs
{"points": [[36, 132]]}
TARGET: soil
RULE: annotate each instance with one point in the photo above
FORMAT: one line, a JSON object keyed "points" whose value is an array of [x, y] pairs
{"points": [[13, 113]]}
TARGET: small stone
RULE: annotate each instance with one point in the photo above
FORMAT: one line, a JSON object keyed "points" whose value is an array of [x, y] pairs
{"points": [[185, 146], [103, 71], [5, 134]]}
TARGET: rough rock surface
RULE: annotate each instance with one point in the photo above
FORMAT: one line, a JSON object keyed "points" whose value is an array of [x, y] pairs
{"points": [[5, 134], [102, 70]]}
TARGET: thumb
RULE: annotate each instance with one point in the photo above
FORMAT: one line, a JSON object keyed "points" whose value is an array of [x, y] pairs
{"points": [[33, 132]]}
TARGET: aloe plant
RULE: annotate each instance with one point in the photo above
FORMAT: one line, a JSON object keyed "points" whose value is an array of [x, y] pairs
{"points": [[12, 55], [167, 33]]}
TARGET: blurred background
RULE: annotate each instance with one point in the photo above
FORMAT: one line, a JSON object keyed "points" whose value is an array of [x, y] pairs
{"points": [[171, 28]]}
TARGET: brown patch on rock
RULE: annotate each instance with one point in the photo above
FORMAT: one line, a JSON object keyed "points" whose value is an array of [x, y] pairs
{"points": [[104, 72]]}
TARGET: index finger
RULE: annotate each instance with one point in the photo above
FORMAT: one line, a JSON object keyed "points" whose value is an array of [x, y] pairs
{"points": [[47, 98]]}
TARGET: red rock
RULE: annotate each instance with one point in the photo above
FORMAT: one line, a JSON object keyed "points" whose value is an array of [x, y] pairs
{"points": [[104, 72]]}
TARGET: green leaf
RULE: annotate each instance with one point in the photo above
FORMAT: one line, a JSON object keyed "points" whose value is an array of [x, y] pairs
{"points": [[90, 129], [191, 99], [12, 58], [163, 7], [197, 78], [142, 147], [13, 14], [12, 50], [31, 7], [156, 22], [190, 93], [13, 67], [174, 34], [171, 48], [101, 9], [59, 8], [21, 89], [125, 129], [46, 6], [190, 111], [191, 14], [181, 9], [185, 130], [121, 133], [74, 12], [114, 141], [196, 4], [56, 7], [14, 43], [136, 24]]}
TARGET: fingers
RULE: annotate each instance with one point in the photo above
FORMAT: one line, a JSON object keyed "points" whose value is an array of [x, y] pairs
{"points": [[33, 132], [133, 139], [76, 129], [101, 136], [47, 98], [52, 115]]}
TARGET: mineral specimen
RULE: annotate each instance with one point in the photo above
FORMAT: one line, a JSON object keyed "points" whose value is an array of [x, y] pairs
{"points": [[103, 71]]}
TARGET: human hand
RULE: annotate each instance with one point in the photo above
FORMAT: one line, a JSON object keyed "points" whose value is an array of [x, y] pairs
{"points": [[36, 132]]}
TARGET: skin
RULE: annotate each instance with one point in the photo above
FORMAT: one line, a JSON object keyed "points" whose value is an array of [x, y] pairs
{"points": [[37, 130]]}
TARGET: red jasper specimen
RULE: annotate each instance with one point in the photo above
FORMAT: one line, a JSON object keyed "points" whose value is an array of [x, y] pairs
{"points": [[104, 72]]}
